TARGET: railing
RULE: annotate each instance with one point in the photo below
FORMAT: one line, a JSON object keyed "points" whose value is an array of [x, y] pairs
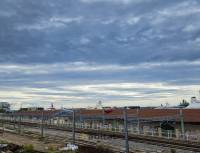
{"points": [[132, 129]]}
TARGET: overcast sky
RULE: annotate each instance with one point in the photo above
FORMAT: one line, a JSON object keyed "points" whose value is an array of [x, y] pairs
{"points": [[76, 52]]}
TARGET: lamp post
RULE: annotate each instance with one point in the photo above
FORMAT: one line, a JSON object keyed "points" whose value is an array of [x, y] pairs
{"points": [[103, 117], [73, 129], [138, 120], [19, 123], [42, 125], [74, 124], [182, 124], [126, 129]]}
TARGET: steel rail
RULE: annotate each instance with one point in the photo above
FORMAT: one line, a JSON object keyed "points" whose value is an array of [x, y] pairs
{"points": [[172, 143]]}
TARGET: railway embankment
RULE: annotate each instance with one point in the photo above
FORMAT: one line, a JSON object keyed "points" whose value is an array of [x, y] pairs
{"points": [[14, 143]]}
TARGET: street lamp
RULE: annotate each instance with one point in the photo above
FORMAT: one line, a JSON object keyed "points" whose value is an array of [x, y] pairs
{"points": [[73, 118], [182, 123], [126, 129], [71, 147]]}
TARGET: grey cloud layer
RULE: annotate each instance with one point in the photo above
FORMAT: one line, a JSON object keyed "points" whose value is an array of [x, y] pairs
{"points": [[84, 84], [117, 47], [99, 31]]}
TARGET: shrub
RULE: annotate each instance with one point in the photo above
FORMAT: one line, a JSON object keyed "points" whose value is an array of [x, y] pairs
{"points": [[28, 148]]}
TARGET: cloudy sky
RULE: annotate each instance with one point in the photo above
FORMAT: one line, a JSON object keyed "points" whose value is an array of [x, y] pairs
{"points": [[76, 52]]}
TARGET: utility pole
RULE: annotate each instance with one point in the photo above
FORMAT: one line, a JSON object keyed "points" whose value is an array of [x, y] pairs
{"points": [[74, 126], [80, 117], [126, 130], [182, 124], [103, 117], [138, 120], [15, 122], [2, 122], [19, 124], [42, 125]]}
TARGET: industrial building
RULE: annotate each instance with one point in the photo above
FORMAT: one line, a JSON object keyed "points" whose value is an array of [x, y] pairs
{"points": [[176, 122], [172, 121]]}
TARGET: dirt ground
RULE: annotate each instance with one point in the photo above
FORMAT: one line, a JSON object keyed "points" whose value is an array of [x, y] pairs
{"points": [[42, 146], [22, 140]]}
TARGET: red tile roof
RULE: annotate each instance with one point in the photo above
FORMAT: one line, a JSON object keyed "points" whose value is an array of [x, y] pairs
{"points": [[190, 115], [38, 113]]}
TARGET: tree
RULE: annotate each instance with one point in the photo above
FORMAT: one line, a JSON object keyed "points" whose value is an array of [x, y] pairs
{"points": [[184, 103]]}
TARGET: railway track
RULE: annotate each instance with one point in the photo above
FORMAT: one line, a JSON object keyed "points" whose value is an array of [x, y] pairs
{"points": [[79, 142], [170, 143]]}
